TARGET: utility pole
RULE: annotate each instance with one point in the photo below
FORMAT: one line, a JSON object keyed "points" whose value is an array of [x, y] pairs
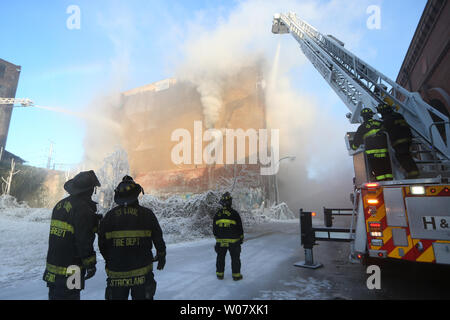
{"points": [[7, 189]]}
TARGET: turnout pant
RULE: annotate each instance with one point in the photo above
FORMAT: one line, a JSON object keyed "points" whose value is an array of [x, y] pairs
{"points": [[403, 154], [235, 253], [62, 293], [139, 292], [380, 166], [378, 158]]}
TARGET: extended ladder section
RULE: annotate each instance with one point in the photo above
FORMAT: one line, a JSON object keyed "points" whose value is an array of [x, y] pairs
{"points": [[359, 85]]}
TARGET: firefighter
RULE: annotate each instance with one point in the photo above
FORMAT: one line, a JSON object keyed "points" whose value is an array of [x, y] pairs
{"points": [[72, 234], [385, 97], [370, 133], [126, 236], [229, 234], [400, 137]]}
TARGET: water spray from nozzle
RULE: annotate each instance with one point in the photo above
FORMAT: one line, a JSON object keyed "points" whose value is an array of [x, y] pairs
{"points": [[92, 116]]}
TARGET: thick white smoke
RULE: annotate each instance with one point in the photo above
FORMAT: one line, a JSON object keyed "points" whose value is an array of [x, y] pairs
{"points": [[104, 130], [322, 173], [310, 127]]}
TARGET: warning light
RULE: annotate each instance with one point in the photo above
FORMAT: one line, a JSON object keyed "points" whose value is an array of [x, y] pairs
{"points": [[372, 201], [418, 190], [380, 254], [313, 214], [372, 185], [375, 229], [446, 190], [432, 190], [359, 256], [376, 234]]}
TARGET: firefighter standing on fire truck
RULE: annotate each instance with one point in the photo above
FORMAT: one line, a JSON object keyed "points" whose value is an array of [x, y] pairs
{"points": [[125, 239], [370, 133], [400, 137], [227, 228]]}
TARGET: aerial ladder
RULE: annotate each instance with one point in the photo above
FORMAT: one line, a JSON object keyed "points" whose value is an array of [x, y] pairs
{"points": [[405, 219]]}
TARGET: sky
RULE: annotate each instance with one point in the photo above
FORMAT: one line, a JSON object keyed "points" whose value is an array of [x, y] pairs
{"points": [[121, 45]]}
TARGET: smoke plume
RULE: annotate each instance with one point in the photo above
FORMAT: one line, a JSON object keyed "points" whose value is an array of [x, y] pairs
{"points": [[310, 129], [322, 172]]}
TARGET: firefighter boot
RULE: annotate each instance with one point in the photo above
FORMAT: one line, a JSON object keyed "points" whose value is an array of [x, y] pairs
{"points": [[237, 276], [219, 275]]}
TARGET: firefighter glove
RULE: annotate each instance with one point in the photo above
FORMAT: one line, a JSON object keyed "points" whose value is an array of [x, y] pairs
{"points": [[161, 258]]}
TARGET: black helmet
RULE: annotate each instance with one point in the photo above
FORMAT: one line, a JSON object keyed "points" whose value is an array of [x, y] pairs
{"points": [[83, 182], [384, 108], [127, 192], [367, 114], [226, 200], [127, 178]]}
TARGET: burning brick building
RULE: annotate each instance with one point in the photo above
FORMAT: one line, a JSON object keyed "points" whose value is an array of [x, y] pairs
{"points": [[153, 112]]}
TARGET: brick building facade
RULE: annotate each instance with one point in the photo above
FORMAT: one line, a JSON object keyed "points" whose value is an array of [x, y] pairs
{"points": [[426, 68]]}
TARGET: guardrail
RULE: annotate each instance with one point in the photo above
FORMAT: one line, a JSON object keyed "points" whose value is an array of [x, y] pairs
{"points": [[309, 234]]}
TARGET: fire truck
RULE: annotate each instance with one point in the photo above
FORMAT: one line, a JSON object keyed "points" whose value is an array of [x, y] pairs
{"points": [[407, 219]]}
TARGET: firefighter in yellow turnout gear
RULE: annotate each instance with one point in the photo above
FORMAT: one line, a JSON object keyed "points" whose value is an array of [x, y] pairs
{"points": [[227, 228], [371, 134], [73, 226], [400, 137]]}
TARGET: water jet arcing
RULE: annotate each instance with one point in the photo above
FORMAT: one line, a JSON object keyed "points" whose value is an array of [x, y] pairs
{"points": [[92, 117]]}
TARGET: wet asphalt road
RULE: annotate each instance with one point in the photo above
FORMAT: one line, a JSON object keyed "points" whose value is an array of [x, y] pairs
{"points": [[400, 280]]}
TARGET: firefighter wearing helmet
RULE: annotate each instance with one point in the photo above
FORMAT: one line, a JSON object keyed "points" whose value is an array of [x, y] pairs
{"points": [[229, 234], [71, 241], [400, 137], [371, 134], [126, 236]]}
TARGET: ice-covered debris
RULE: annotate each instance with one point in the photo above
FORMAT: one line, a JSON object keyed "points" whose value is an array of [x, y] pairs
{"points": [[10, 207], [281, 212], [184, 219], [9, 202], [276, 212], [188, 219]]}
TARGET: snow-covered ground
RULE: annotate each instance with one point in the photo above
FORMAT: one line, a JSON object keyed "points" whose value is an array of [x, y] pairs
{"points": [[190, 268]]}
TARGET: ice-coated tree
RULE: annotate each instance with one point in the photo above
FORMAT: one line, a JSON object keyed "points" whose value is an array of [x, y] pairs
{"points": [[114, 168]]}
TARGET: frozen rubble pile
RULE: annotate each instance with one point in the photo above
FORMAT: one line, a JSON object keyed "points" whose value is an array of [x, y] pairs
{"points": [[180, 219], [10, 207], [189, 219], [184, 219], [281, 212]]}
